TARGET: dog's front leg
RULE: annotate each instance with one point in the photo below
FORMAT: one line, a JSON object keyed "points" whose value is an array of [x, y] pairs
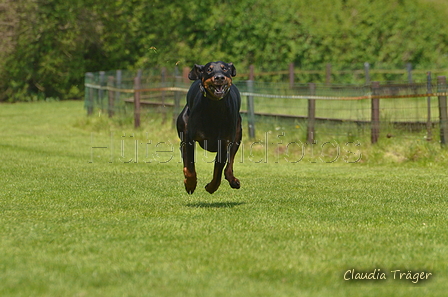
{"points": [[228, 172], [220, 162], [232, 149], [189, 166]]}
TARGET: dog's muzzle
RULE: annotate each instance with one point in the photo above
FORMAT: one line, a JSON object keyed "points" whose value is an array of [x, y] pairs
{"points": [[219, 91], [218, 87]]}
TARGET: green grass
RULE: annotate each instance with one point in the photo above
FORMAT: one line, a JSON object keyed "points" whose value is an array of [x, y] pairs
{"points": [[74, 224]]}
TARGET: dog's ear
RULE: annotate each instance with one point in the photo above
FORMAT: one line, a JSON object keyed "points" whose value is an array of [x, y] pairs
{"points": [[232, 69], [196, 72]]}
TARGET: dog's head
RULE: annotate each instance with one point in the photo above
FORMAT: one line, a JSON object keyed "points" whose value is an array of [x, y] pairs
{"points": [[216, 78]]}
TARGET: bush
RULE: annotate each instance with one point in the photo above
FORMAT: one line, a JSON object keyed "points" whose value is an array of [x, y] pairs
{"points": [[50, 44]]}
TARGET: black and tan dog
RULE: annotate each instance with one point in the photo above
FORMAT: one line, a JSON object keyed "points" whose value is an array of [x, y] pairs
{"points": [[211, 118]]}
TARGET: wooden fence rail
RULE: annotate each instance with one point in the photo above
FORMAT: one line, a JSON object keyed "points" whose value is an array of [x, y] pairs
{"points": [[112, 87]]}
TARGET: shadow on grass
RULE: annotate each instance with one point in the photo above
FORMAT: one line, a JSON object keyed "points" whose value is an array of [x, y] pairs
{"points": [[215, 204]]}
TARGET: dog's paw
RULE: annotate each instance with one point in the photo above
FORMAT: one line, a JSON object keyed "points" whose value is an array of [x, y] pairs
{"points": [[235, 183], [190, 181], [210, 188], [190, 185]]}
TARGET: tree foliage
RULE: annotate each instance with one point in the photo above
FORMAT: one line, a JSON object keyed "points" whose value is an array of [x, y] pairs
{"points": [[50, 44]]}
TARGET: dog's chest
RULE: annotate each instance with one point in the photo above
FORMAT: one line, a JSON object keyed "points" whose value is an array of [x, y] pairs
{"points": [[212, 120]]}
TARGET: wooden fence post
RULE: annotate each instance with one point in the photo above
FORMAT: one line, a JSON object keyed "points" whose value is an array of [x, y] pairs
{"points": [[375, 118], [328, 74], [163, 85], [176, 109], [111, 97], [89, 94], [441, 83], [311, 114], [137, 84], [291, 75], [409, 71], [185, 72], [251, 72], [100, 90], [118, 85], [250, 103], [367, 73], [428, 103]]}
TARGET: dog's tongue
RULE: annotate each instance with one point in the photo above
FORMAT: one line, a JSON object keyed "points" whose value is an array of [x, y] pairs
{"points": [[219, 90]]}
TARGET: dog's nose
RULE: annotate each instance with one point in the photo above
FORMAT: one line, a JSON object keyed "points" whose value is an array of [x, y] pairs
{"points": [[219, 78]]}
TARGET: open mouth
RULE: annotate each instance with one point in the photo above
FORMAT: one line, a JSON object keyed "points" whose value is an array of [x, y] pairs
{"points": [[219, 90]]}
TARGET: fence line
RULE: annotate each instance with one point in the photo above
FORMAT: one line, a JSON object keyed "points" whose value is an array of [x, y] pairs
{"points": [[115, 85], [355, 72], [329, 73], [272, 96]]}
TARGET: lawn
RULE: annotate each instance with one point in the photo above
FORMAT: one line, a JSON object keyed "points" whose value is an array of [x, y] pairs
{"points": [[89, 207]]}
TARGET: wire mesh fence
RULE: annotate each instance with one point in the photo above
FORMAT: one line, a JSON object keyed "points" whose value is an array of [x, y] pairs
{"points": [[414, 109]]}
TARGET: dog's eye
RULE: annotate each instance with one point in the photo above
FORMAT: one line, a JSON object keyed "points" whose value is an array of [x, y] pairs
{"points": [[210, 70], [224, 69]]}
